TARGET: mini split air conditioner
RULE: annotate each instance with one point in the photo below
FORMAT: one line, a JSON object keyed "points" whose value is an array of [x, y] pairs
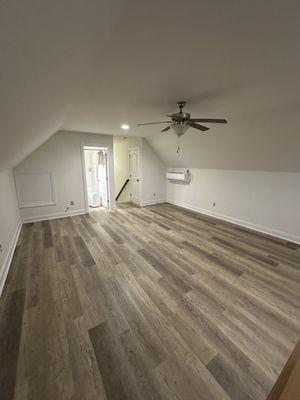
{"points": [[179, 177]]}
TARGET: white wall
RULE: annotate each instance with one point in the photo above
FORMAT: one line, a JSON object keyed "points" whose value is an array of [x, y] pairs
{"points": [[121, 163], [265, 201], [61, 156], [153, 174], [9, 222], [153, 170]]}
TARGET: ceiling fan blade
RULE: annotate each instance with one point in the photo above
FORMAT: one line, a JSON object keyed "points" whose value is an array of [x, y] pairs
{"points": [[197, 126], [166, 129], [212, 120], [153, 123]]}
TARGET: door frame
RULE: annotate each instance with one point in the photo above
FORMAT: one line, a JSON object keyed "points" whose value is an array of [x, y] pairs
{"points": [[140, 168], [109, 157]]}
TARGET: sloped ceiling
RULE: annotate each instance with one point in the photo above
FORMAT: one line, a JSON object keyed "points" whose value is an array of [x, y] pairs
{"points": [[91, 65], [48, 54]]}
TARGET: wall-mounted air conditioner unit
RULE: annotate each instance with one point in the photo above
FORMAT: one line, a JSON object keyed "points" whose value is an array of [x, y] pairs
{"points": [[179, 177]]}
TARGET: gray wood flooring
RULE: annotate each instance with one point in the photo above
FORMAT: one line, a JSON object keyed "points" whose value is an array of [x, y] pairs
{"points": [[154, 303]]}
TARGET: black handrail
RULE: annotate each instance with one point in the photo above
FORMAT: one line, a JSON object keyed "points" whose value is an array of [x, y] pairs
{"points": [[127, 180]]}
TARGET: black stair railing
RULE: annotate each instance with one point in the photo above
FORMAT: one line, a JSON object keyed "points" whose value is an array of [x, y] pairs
{"points": [[123, 187]]}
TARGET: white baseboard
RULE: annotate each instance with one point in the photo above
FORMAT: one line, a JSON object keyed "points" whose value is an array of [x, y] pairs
{"points": [[150, 202], [127, 200], [54, 216], [9, 256], [259, 228]]}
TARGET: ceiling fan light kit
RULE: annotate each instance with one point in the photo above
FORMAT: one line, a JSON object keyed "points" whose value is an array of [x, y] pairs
{"points": [[182, 121], [180, 129]]}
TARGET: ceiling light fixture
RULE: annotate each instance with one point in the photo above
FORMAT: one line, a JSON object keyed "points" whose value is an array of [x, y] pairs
{"points": [[179, 129], [126, 127]]}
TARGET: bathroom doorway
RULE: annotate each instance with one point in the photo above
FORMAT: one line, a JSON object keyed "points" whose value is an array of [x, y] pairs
{"points": [[96, 177]]}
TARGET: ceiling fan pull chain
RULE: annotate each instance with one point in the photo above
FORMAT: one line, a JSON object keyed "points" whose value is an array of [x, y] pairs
{"points": [[178, 144]]}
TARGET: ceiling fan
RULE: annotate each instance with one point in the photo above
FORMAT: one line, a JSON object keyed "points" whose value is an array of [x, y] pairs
{"points": [[182, 121]]}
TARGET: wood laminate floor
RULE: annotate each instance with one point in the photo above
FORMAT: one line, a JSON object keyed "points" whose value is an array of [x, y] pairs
{"points": [[147, 303]]}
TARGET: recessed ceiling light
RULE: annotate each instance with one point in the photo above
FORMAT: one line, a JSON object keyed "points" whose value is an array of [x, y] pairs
{"points": [[126, 127]]}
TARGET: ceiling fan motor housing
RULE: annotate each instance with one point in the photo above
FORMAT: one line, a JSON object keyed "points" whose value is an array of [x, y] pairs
{"points": [[181, 117]]}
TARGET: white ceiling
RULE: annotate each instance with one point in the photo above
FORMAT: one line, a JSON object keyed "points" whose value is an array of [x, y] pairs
{"points": [[92, 65]]}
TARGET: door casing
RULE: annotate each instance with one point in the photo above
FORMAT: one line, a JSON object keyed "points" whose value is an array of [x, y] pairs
{"points": [[96, 146]]}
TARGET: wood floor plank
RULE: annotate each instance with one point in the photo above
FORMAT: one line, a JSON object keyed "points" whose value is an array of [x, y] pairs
{"points": [[143, 331], [109, 363], [83, 251], [140, 367], [10, 333], [47, 234], [229, 379], [87, 379]]}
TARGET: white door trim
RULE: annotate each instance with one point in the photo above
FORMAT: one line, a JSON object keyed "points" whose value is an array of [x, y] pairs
{"points": [[109, 158]]}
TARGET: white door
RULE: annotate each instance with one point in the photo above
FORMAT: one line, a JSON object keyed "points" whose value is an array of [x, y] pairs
{"points": [[134, 165], [96, 176]]}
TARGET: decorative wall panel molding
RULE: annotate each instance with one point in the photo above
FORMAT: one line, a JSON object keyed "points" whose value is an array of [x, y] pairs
{"points": [[35, 189]]}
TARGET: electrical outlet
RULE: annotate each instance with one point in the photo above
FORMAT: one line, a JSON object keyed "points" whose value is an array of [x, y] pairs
{"points": [[214, 204], [72, 203]]}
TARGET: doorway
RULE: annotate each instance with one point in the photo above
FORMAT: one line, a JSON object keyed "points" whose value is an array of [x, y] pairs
{"points": [[135, 172], [96, 177]]}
